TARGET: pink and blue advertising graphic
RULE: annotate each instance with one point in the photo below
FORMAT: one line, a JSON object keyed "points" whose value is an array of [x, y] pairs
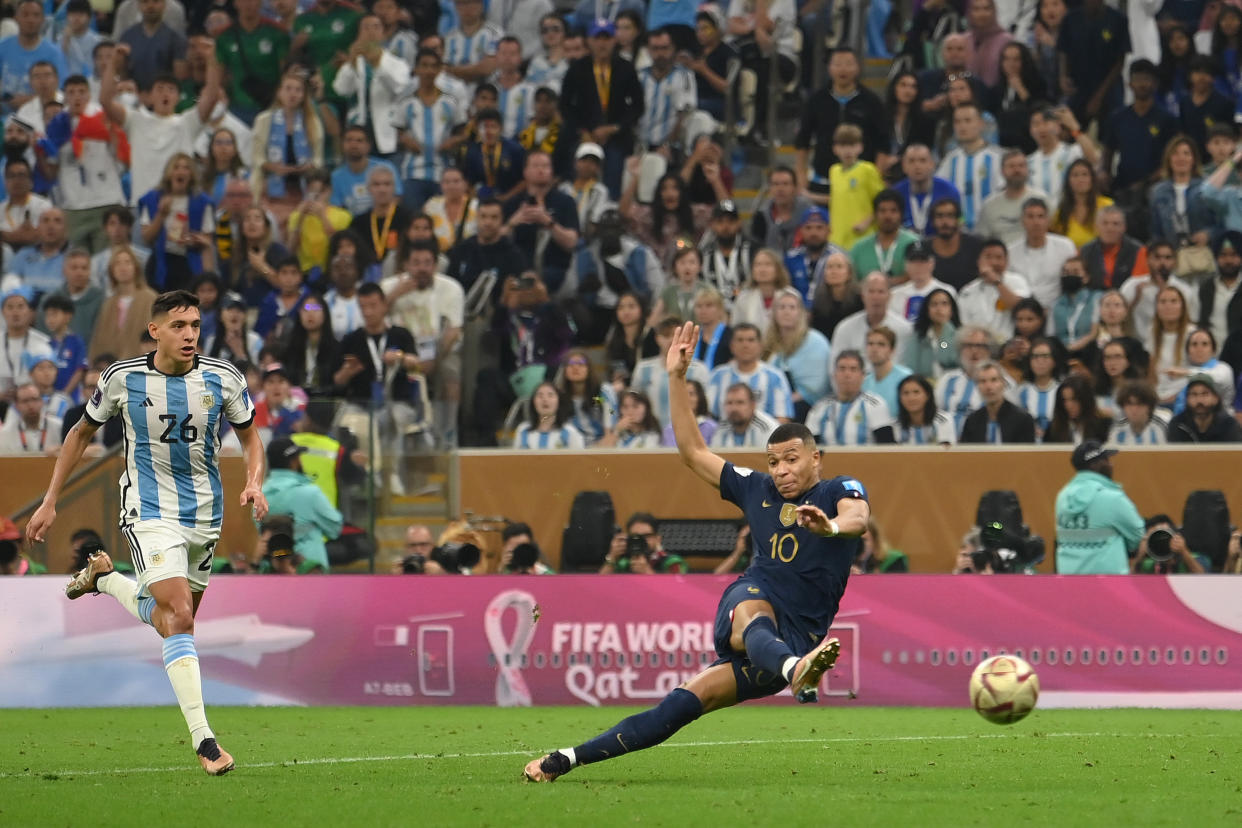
{"points": [[516, 641]]}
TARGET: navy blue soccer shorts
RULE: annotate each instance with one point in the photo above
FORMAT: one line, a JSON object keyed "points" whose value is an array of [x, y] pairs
{"points": [[753, 683]]}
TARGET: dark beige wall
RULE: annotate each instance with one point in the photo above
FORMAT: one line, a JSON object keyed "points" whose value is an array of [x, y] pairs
{"points": [[923, 499]]}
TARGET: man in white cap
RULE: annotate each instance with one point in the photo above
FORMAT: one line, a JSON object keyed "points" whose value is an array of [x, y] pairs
{"points": [[587, 190]]}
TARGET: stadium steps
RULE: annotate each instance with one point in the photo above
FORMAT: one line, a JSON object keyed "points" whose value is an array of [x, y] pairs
{"points": [[426, 502]]}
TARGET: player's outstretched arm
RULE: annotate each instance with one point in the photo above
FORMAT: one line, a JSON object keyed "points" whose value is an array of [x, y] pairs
{"points": [[694, 452], [71, 451], [252, 450], [850, 522]]}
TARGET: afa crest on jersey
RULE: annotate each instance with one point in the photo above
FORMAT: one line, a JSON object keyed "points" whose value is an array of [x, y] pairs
{"points": [[208, 400]]}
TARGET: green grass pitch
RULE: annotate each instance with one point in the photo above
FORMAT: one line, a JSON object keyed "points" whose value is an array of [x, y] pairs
{"points": [[828, 765]]}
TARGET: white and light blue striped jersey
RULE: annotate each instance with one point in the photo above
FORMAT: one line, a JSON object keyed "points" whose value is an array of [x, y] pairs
{"points": [[565, 437], [461, 49], [516, 105], [770, 386], [172, 435], [940, 431], [1153, 434], [957, 395], [975, 176], [639, 439], [56, 404], [345, 313], [651, 378], [852, 423], [541, 72], [404, 44], [1048, 170], [754, 436], [663, 100], [429, 126], [1038, 402], [595, 424]]}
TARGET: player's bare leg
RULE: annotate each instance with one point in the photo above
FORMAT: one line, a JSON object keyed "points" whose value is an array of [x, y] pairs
{"points": [[754, 631], [173, 619], [712, 689]]}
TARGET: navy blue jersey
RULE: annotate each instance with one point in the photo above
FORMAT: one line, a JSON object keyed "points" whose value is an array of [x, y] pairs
{"points": [[804, 572]]}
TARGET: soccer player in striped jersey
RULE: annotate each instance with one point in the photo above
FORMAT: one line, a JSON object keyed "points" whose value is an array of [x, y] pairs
{"points": [[771, 628], [173, 403]]}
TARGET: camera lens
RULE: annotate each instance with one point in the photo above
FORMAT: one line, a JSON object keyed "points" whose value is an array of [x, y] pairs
{"points": [[1160, 545]]}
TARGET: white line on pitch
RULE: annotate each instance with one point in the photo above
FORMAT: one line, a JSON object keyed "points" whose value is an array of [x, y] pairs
{"points": [[411, 757]]}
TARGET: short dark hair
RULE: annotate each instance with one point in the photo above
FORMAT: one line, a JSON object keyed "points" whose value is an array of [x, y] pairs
{"points": [[509, 39], [747, 326], [1143, 66], [76, 80], [58, 302], [1154, 243], [370, 289], [163, 77], [120, 213], [321, 174], [513, 530], [1204, 64], [547, 92], [359, 128], [426, 245], [488, 201], [947, 201], [486, 87], [431, 53], [289, 261], [782, 168], [994, 242], [46, 63], [1138, 391], [643, 517], [791, 431], [489, 114], [889, 195], [78, 7], [1035, 201], [18, 162], [850, 353], [1222, 131], [171, 301]]}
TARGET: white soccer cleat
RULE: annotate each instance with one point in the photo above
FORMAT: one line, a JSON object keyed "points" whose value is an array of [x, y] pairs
{"points": [[214, 759], [83, 582], [811, 668]]}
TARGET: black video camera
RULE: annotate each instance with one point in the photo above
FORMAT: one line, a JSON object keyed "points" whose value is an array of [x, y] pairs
{"points": [[454, 557]]}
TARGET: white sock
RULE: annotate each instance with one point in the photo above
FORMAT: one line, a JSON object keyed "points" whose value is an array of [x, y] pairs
{"points": [[573, 757], [787, 669], [181, 664], [122, 589]]}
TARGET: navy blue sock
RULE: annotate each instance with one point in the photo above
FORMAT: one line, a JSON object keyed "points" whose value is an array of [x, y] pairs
{"points": [[764, 647], [643, 730]]}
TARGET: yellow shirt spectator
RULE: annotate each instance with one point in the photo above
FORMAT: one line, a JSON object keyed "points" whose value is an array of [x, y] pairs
{"points": [[312, 249], [850, 200]]}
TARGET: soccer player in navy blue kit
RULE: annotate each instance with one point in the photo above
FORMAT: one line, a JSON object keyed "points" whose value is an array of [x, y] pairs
{"points": [[772, 622]]}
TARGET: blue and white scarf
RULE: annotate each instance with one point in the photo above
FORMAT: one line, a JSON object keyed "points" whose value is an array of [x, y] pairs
{"points": [[276, 140]]}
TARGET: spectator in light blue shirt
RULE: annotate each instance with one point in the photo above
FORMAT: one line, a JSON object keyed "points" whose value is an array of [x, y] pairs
{"points": [[79, 40], [349, 180], [798, 350], [884, 378], [23, 50], [42, 265]]}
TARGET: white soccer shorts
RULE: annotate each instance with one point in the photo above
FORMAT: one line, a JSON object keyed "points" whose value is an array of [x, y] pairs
{"points": [[164, 549]]}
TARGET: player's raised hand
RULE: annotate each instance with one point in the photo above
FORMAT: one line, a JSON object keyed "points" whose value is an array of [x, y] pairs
{"points": [[40, 522], [253, 495], [681, 351], [813, 519]]}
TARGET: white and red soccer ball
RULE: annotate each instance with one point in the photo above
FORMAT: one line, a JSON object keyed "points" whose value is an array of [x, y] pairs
{"points": [[1003, 689]]}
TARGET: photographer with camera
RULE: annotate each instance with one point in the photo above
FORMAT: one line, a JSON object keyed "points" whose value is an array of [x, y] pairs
{"points": [[640, 550], [520, 554], [458, 552], [1097, 524], [1163, 550]]}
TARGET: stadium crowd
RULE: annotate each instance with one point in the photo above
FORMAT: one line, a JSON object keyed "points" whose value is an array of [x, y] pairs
{"points": [[478, 222]]}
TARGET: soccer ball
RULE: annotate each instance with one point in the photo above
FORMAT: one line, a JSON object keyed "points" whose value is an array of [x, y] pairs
{"points": [[1003, 689]]}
